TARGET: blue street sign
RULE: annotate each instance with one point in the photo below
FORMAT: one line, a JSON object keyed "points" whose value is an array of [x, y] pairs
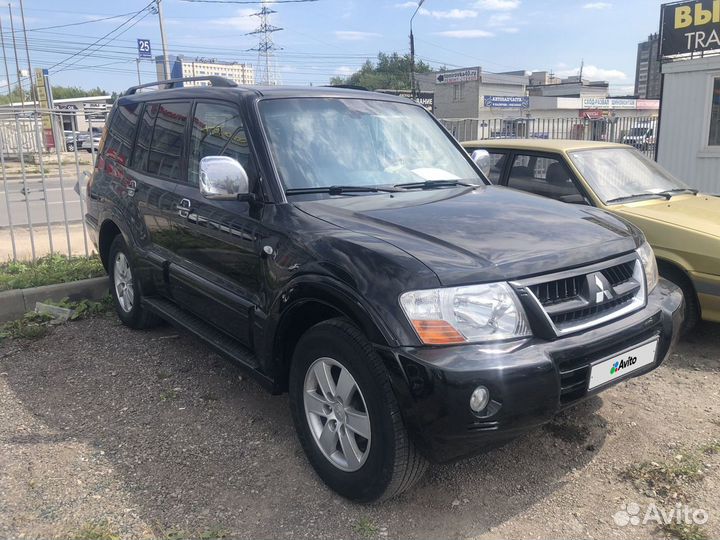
{"points": [[144, 48]]}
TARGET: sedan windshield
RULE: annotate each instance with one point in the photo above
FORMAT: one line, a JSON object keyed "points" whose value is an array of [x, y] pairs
{"points": [[344, 143], [617, 174]]}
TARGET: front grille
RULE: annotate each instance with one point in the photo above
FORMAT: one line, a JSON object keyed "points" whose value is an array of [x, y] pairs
{"points": [[573, 301]]}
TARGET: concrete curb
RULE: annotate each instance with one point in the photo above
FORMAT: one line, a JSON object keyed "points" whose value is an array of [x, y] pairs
{"points": [[14, 304]]}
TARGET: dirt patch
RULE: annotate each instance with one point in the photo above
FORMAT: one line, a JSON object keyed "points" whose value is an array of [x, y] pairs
{"points": [[108, 432]]}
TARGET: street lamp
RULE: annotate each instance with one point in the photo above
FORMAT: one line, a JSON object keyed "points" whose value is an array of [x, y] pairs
{"points": [[412, 51]]}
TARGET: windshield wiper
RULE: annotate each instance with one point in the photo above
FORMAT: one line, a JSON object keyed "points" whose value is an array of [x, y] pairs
{"points": [[432, 184], [339, 190], [637, 196], [670, 192]]}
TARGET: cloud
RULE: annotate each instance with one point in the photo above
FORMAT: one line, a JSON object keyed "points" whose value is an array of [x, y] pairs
{"points": [[407, 5], [451, 14], [344, 71], [352, 35], [510, 30], [597, 5], [497, 5], [242, 20], [594, 72], [465, 34]]}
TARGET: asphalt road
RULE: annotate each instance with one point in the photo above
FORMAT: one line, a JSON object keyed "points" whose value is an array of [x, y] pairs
{"points": [[40, 203]]}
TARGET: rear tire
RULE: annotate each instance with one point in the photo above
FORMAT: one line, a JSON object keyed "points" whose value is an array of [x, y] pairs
{"points": [[384, 461], [125, 287], [692, 305]]}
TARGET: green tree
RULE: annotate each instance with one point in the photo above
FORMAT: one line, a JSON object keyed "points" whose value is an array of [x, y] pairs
{"points": [[391, 71], [59, 92]]}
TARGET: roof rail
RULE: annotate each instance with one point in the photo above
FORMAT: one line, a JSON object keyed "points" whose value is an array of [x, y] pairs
{"points": [[347, 86], [214, 80]]}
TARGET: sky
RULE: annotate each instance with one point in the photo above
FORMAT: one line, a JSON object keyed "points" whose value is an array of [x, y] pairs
{"points": [[325, 38]]}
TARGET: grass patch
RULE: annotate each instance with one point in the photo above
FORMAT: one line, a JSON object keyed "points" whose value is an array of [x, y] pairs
{"points": [[666, 481], [711, 448], [85, 308], [31, 326], [168, 395], [683, 531], [99, 530], [48, 270], [365, 528]]}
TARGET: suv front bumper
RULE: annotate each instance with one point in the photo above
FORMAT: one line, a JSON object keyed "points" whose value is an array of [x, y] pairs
{"points": [[529, 381]]}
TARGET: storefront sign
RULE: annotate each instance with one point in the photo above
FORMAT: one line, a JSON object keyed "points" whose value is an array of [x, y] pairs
{"points": [[507, 102], [688, 27], [608, 103], [458, 76], [653, 104], [426, 99]]}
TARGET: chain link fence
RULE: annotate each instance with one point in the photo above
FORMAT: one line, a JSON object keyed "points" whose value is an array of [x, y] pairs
{"points": [[46, 157]]}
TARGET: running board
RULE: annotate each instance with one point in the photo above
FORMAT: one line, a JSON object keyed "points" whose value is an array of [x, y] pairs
{"points": [[220, 342]]}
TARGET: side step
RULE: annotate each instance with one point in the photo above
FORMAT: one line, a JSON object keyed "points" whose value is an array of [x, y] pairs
{"points": [[222, 343]]}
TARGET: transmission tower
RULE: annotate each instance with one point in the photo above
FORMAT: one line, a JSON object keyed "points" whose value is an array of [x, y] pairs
{"points": [[266, 68]]}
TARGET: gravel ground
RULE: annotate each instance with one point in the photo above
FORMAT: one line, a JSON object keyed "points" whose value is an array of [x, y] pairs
{"points": [[107, 432]]}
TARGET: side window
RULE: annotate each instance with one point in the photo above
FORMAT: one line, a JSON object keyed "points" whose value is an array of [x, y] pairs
{"points": [[542, 175], [121, 132], [164, 158], [145, 132], [497, 164], [218, 130]]}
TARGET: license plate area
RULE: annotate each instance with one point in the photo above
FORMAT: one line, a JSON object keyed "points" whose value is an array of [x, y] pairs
{"points": [[621, 364]]}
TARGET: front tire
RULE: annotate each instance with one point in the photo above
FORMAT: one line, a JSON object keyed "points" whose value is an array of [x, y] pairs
{"points": [[125, 287], [346, 415], [692, 305]]}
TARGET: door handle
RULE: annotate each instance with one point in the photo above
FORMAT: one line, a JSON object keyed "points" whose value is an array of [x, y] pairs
{"points": [[184, 208]]}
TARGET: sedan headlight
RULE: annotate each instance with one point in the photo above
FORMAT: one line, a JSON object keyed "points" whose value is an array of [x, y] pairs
{"points": [[647, 258], [476, 313]]}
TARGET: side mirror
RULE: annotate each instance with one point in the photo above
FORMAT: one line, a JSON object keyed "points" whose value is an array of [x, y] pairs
{"points": [[222, 178], [575, 198], [483, 160]]}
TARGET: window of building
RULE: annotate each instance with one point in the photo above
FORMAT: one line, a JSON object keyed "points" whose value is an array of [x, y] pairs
{"points": [[458, 92], [714, 139], [218, 130]]}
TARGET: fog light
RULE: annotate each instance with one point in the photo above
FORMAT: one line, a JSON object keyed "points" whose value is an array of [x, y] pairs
{"points": [[479, 399]]}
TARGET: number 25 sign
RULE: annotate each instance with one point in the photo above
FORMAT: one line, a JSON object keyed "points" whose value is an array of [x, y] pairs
{"points": [[144, 48]]}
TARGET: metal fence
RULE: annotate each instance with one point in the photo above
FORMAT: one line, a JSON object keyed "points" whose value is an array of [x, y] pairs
{"points": [[45, 161], [638, 131]]}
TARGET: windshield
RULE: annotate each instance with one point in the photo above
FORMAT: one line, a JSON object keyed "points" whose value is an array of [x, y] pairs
{"points": [[323, 142], [622, 172], [637, 131]]}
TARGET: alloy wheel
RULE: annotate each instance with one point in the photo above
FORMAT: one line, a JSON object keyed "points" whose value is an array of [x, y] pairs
{"points": [[336, 412], [122, 277]]}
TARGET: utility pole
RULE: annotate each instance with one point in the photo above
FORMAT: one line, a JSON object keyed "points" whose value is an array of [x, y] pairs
{"points": [[17, 64], [137, 62], [7, 72], [266, 47], [27, 51], [582, 66], [166, 60], [413, 91]]}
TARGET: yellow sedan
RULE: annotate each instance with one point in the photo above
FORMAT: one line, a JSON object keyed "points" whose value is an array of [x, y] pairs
{"points": [[682, 225]]}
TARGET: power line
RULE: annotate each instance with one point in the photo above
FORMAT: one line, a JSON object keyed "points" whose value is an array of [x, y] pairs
{"points": [[81, 22], [103, 37]]}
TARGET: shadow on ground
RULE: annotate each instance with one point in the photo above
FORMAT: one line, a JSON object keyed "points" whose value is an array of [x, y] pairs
{"points": [[197, 445]]}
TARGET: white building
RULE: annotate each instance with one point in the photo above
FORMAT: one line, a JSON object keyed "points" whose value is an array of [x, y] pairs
{"points": [[689, 139], [182, 67]]}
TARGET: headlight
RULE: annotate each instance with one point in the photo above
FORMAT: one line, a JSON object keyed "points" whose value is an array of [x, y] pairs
{"points": [[477, 313], [647, 257]]}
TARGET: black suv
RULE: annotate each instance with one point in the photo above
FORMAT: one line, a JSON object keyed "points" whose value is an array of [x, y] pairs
{"points": [[342, 247]]}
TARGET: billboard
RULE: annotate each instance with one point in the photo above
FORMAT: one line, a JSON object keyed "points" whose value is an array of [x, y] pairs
{"points": [[689, 27], [507, 102], [458, 76], [608, 103]]}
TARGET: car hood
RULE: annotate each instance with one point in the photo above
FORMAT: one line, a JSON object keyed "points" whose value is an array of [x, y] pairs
{"points": [[490, 233], [699, 213]]}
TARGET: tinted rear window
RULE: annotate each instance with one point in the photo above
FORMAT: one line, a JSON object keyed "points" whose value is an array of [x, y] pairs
{"points": [[121, 132]]}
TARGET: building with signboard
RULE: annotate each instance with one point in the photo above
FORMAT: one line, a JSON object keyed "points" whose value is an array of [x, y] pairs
{"points": [[182, 67], [689, 130], [647, 68]]}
